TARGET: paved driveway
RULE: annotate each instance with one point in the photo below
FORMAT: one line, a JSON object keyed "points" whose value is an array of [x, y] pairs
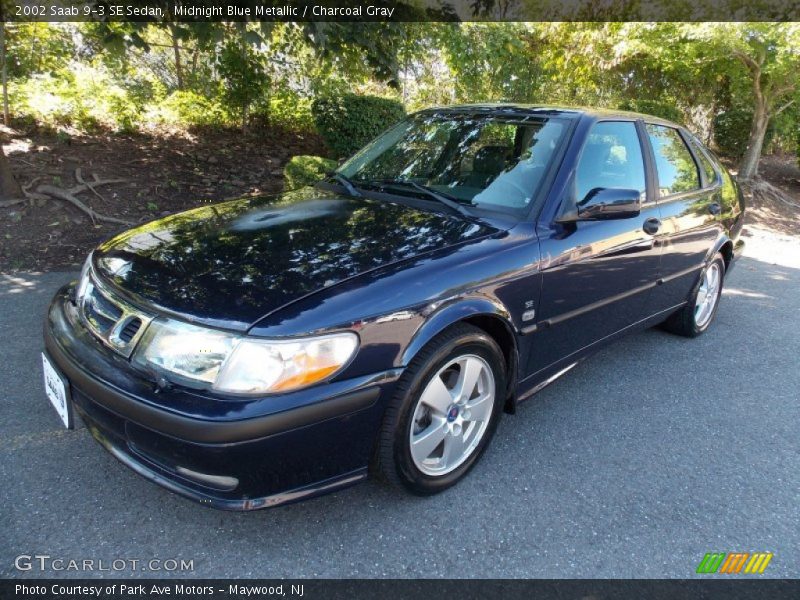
{"points": [[638, 462]]}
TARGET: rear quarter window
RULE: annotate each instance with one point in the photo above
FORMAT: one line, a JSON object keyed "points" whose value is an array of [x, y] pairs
{"points": [[677, 171], [709, 170]]}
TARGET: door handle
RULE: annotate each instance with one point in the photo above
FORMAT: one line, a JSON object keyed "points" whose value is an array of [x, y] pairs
{"points": [[651, 226], [714, 208]]}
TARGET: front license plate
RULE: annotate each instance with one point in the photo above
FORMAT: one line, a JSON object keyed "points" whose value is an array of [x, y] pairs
{"points": [[56, 388]]}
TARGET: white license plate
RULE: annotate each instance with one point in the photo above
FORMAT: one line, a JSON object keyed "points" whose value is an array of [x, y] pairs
{"points": [[56, 389]]}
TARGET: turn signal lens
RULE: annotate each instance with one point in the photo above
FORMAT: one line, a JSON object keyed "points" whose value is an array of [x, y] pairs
{"points": [[272, 366]]}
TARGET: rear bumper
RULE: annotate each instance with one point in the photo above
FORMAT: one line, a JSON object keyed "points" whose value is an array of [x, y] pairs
{"points": [[226, 454]]}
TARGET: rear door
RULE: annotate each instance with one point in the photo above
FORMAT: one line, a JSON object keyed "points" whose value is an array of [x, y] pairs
{"points": [[689, 207]]}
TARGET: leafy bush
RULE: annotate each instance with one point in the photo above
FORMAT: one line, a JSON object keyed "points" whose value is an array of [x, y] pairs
{"points": [[349, 121], [306, 170], [655, 108], [732, 131], [81, 97], [290, 111], [186, 108]]}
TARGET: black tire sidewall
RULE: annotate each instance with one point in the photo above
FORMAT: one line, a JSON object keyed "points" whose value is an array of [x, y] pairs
{"points": [[478, 344]]}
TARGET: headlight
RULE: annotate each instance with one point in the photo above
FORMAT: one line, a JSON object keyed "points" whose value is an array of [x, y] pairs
{"points": [[200, 357]]}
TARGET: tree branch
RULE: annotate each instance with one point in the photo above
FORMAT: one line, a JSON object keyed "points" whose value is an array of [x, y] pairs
{"points": [[783, 108], [751, 64]]}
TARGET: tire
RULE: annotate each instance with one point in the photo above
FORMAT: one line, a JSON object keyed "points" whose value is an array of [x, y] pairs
{"points": [[461, 349], [691, 321]]}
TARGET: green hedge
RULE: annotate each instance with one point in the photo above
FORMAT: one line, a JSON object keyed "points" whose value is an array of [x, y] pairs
{"points": [[732, 131], [654, 108], [306, 170], [349, 121]]}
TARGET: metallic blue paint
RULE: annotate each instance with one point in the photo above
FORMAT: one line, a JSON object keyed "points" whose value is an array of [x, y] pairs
{"points": [[397, 271]]}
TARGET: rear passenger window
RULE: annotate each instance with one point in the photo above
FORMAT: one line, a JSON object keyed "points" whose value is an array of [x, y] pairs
{"points": [[611, 158], [677, 171]]}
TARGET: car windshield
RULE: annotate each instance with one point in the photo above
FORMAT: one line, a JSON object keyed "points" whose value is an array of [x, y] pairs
{"points": [[496, 163]]}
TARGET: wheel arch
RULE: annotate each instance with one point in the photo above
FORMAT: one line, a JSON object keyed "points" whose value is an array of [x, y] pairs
{"points": [[724, 246], [486, 314]]}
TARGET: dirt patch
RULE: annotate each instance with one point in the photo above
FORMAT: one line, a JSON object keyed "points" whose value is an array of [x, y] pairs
{"points": [[163, 174], [776, 205]]}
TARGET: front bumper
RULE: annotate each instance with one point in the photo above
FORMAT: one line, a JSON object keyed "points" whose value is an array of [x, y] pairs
{"points": [[228, 454]]}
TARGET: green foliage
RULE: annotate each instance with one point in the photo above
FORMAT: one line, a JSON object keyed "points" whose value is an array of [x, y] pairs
{"points": [[493, 61], [306, 170], [290, 111], [243, 73], [80, 97], [189, 109], [35, 48], [785, 130], [349, 121], [654, 108], [732, 131], [125, 75]]}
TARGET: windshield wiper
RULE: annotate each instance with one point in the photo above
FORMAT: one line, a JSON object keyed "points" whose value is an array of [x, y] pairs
{"points": [[347, 183], [441, 197]]}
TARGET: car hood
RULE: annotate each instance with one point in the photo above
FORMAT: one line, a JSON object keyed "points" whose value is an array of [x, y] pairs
{"points": [[230, 264]]}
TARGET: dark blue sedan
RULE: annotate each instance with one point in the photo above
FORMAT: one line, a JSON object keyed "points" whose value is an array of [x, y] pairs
{"points": [[269, 349]]}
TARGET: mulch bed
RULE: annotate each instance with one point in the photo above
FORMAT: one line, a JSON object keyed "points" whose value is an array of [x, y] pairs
{"points": [[163, 173]]}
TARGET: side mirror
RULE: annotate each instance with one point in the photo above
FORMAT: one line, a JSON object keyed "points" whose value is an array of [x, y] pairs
{"points": [[602, 204]]}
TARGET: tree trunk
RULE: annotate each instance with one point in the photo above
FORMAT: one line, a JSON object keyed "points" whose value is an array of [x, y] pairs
{"points": [[4, 67], [9, 188], [246, 103], [178, 66], [748, 168], [195, 55]]}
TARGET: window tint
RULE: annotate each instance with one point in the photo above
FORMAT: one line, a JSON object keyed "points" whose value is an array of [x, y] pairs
{"points": [[677, 171], [611, 158], [705, 163]]}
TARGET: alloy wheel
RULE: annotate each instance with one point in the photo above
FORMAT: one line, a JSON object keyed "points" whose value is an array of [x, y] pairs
{"points": [[707, 295], [452, 415]]}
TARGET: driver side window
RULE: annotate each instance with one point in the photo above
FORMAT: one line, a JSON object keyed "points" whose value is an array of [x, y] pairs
{"points": [[611, 158]]}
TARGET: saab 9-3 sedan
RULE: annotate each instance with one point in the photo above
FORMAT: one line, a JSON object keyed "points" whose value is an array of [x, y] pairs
{"points": [[268, 349]]}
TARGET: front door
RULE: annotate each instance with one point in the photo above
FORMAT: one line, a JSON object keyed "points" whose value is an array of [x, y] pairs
{"points": [[597, 275]]}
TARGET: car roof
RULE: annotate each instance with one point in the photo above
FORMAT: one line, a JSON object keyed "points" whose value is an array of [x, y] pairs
{"points": [[522, 110]]}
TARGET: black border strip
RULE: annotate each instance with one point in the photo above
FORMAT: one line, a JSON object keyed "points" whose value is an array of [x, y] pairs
{"points": [[424, 589], [384, 11]]}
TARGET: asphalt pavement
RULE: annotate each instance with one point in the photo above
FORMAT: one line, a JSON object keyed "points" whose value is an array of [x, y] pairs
{"points": [[640, 460]]}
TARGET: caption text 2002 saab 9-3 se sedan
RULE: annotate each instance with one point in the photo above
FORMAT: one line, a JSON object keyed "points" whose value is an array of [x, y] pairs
{"points": [[268, 349]]}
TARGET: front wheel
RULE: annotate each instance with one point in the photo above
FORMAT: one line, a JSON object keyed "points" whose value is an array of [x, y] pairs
{"points": [[445, 412], [696, 317]]}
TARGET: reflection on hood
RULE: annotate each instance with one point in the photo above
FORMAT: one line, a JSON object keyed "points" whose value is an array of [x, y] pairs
{"points": [[230, 264], [273, 217]]}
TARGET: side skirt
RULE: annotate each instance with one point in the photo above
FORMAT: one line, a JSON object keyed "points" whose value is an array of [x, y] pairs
{"points": [[541, 379]]}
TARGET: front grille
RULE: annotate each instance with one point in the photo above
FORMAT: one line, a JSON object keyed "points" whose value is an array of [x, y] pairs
{"points": [[100, 312], [113, 321], [130, 329]]}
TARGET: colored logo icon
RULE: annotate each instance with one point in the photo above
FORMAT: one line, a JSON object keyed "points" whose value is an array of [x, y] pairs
{"points": [[732, 563]]}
